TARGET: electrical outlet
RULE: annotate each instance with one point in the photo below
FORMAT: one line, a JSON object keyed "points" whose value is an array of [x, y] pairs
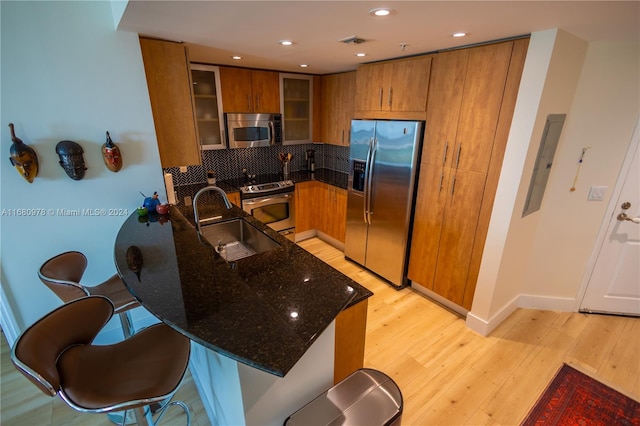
{"points": [[183, 169], [597, 193], [187, 201]]}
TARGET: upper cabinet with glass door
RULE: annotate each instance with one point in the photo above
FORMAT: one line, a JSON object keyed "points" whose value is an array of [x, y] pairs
{"points": [[297, 107], [209, 119]]}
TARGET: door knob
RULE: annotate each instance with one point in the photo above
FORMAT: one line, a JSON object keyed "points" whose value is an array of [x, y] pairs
{"points": [[622, 217]]}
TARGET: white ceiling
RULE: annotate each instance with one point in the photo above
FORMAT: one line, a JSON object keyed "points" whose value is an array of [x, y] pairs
{"points": [[216, 30]]}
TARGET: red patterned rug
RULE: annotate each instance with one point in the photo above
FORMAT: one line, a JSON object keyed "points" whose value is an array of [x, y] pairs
{"points": [[573, 398]]}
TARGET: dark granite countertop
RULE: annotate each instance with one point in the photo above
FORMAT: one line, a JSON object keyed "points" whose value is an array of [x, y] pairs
{"points": [[241, 309]]}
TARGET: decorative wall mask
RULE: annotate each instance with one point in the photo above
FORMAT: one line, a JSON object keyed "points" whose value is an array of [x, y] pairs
{"points": [[111, 155], [71, 159], [23, 157]]}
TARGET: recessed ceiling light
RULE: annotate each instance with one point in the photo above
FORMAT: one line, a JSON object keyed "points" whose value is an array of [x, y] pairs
{"points": [[381, 11], [361, 54], [458, 34], [236, 57], [303, 65], [286, 42]]}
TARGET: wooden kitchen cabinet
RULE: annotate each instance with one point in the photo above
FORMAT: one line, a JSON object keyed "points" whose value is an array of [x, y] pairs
{"points": [[459, 222], [166, 66], [266, 91], [307, 205], [351, 331], [296, 104], [393, 89], [322, 207], [333, 210], [427, 223], [234, 198], [464, 106], [337, 107], [247, 90], [471, 101], [209, 119]]}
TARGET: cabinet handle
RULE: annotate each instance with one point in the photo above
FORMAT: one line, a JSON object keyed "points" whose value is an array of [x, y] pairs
{"points": [[258, 102], [444, 154], [458, 155], [453, 187], [248, 102], [390, 97], [342, 138], [380, 100], [441, 179]]}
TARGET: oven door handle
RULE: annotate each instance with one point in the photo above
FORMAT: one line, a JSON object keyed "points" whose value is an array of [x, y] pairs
{"points": [[267, 200]]}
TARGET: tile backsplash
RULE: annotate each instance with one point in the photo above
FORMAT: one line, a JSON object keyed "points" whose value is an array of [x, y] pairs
{"points": [[228, 163]]}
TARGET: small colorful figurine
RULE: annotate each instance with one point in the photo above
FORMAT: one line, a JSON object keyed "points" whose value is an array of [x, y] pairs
{"points": [[111, 155], [23, 157], [151, 202]]}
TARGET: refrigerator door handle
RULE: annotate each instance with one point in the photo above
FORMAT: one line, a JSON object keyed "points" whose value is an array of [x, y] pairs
{"points": [[372, 160], [366, 186]]}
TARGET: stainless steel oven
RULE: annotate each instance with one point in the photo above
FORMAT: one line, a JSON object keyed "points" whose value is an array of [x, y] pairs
{"points": [[273, 204]]}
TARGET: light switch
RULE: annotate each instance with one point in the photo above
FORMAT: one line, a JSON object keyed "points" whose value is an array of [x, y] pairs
{"points": [[597, 193], [183, 169]]}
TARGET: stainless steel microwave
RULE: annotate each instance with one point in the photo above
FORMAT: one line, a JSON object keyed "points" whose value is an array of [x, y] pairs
{"points": [[251, 130]]}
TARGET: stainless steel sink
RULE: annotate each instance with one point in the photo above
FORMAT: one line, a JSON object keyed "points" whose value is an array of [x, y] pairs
{"points": [[236, 239]]}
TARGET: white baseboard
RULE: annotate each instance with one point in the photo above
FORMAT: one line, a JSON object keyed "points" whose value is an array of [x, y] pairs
{"points": [[546, 303], [485, 326], [525, 301]]}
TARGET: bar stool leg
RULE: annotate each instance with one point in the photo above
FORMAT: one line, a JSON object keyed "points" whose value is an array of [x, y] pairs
{"points": [[127, 329], [127, 324], [143, 416]]}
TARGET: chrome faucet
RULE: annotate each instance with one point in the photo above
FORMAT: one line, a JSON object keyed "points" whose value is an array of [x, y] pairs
{"points": [[227, 203]]}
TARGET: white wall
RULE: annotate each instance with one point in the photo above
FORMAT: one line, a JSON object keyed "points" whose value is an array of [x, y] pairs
{"points": [[602, 119], [66, 74], [539, 261]]}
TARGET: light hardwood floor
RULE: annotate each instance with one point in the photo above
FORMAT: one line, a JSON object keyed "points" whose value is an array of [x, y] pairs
{"points": [[448, 374]]}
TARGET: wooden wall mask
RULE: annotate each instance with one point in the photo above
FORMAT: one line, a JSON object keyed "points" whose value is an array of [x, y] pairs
{"points": [[71, 159], [111, 155], [23, 157]]}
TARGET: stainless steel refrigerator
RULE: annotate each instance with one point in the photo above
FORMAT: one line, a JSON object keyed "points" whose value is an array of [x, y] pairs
{"points": [[383, 162]]}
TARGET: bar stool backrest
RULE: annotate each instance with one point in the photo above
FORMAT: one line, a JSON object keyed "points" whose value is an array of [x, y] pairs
{"points": [[36, 351], [62, 275]]}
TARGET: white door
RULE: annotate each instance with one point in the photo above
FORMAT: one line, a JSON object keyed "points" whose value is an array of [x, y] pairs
{"points": [[614, 285]]}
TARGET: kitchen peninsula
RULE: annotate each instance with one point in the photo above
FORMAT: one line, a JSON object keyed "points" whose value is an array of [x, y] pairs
{"points": [[263, 328]]}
